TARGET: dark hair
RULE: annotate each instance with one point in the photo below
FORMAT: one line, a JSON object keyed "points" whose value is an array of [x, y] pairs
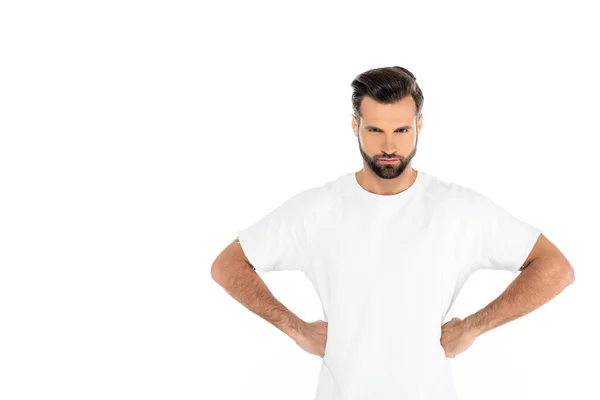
{"points": [[386, 85]]}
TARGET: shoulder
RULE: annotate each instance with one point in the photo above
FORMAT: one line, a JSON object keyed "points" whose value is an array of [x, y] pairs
{"points": [[315, 198], [457, 198]]}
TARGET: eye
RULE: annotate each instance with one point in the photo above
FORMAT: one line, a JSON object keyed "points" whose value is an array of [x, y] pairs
{"points": [[379, 130]]}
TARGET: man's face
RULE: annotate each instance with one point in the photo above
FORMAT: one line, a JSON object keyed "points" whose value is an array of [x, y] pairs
{"points": [[387, 131]]}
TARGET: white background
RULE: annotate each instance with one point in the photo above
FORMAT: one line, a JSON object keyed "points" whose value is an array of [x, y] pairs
{"points": [[136, 138]]}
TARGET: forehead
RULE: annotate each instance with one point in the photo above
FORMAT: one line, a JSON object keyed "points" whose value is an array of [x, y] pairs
{"points": [[402, 111]]}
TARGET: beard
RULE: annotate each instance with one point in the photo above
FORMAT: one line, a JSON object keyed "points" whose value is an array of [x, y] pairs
{"points": [[384, 170]]}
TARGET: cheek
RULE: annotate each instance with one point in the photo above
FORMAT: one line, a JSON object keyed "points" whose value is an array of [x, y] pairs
{"points": [[367, 143]]}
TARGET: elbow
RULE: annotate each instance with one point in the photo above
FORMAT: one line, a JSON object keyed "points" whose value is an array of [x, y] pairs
{"points": [[218, 265], [567, 272], [570, 274], [214, 271], [562, 268], [217, 272], [559, 270]]}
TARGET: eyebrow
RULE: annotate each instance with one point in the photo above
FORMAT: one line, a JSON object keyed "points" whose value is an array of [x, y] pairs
{"points": [[400, 127]]}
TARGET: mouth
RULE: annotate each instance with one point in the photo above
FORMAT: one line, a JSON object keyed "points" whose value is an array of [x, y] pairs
{"points": [[388, 160]]}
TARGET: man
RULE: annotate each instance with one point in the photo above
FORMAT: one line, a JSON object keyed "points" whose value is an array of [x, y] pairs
{"points": [[388, 249]]}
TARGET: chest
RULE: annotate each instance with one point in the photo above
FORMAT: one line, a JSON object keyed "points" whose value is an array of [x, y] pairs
{"points": [[374, 260]]}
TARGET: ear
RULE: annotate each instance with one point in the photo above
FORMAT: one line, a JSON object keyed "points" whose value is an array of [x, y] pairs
{"points": [[420, 123], [354, 125]]}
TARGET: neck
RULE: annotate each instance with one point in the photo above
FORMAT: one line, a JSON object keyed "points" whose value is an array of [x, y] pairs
{"points": [[374, 184]]}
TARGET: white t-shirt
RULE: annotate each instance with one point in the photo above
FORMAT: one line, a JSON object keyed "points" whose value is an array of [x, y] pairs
{"points": [[387, 269]]}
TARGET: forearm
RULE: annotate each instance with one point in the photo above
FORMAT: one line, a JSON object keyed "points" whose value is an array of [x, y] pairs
{"points": [[240, 280], [541, 281]]}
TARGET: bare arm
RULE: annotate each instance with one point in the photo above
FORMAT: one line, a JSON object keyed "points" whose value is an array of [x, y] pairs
{"points": [[544, 275], [232, 271]]}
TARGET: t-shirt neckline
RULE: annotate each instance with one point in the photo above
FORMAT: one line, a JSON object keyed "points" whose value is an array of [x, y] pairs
{"points": [[393, 198]]}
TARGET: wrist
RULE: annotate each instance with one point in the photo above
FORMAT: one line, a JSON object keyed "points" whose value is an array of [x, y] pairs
{"points": [[473, 326], [295, 329]]}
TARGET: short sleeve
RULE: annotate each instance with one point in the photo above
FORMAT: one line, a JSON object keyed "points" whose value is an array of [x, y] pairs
{"points": [[277, 241], [500, 241]]}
